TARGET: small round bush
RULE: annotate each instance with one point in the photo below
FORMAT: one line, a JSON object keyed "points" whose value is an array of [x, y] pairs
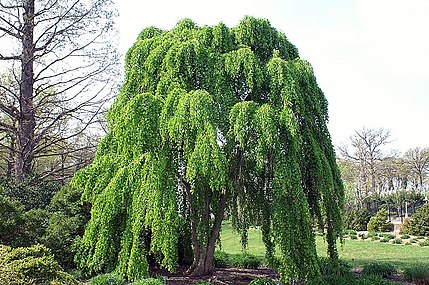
{"points": [[405, 236], [397, 241], [263, 281], [389, 236], [384, 270], [424, 243], [31, 265]]}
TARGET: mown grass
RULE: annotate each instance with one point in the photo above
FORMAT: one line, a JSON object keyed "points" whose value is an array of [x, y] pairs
{"points": [[356, 252]]}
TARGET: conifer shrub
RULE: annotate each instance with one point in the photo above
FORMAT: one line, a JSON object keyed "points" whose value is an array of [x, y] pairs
{"points": [[379, 223], [31, 265], [418, 224], [356, 219]]}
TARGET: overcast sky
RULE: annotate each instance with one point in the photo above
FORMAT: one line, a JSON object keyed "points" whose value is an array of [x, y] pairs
{"points": [[370, 57]]}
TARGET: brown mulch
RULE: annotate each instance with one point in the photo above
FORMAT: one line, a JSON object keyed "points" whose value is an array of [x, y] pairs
{"points": [[221, 276], [237, 276]]}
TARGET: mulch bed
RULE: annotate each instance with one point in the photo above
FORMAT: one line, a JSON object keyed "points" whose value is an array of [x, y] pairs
{"points": [[235, 276], [221, 276]]}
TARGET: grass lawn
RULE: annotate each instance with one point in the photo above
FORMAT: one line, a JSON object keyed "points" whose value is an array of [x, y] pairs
{"points": [[356, 252]]}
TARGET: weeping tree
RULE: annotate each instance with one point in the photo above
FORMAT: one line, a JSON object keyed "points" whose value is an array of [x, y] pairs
{"points": [[212, 121]]}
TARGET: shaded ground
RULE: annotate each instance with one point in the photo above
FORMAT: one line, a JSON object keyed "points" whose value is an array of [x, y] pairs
{"points": [[237, 276], [221, 276]]}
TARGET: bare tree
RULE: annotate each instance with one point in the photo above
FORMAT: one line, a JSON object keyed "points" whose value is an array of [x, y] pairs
{"points": [[417, 160], [366, 156], [61, 61]]}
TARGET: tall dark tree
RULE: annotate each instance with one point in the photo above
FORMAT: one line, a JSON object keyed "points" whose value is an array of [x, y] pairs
{"points": [[62, 66], [209, 120]]}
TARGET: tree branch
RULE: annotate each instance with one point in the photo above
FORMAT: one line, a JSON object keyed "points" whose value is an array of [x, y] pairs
{"points": [[10, 57]]}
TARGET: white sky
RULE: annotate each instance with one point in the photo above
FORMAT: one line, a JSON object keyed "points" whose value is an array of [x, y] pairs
{"points": [[371, 58]]}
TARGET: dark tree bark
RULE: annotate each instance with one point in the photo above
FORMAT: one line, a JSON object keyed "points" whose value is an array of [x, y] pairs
{"points": [[60, 71], [27, 120], [204, 252]]}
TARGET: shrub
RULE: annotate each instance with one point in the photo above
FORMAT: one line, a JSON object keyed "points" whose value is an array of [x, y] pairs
{"points": [[419, 223], [65, 224], [148, 281], [388, 236], [356, 219], [424, 243], [385, 239], [34, 227], [263, 281], [246, 260], [107, 279], [33, 192], [328, 268], [405, 236], [221, 259], [34, 262], [31, 265], [379, 223], [416, 272], [397, 241], [350, 232], [10, 219], [384, 270]]}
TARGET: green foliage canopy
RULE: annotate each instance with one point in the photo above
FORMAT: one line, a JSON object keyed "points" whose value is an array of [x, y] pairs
{"points": [[212, 120]]}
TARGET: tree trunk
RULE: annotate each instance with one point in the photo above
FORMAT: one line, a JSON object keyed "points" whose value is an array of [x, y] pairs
{"points": [[11, 157], [27, 121], [204, 253]]}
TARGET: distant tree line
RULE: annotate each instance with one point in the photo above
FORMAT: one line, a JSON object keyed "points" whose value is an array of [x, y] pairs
{"points": [[375, 177]]}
